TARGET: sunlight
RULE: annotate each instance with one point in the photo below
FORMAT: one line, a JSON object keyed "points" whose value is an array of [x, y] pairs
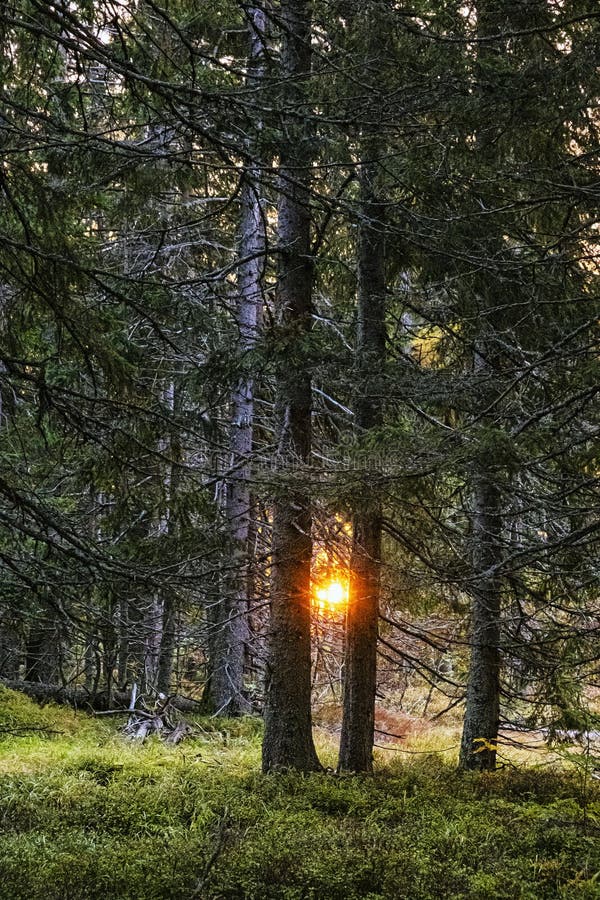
{"points": [[332, 596]]}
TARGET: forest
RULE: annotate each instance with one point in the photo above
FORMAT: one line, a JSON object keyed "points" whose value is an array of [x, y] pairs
{"points": [[299, 457]]}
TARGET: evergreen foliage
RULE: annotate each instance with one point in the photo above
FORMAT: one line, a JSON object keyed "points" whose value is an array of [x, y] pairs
{"points": [[135, 138]]}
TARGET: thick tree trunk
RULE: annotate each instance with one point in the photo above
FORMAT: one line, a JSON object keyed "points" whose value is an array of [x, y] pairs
{"points": [[360, 665], [360, 662], [230, 641], [288, 741], [482, 713]]}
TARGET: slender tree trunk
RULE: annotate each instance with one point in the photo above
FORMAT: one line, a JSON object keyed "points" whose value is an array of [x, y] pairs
{"points": [[231, 635], [153, 636], [167, 645], [360, 665], [288, 741], [109, 641], [168, 630], [137, 624], [90, 669], [160, 619], [122, 629]]}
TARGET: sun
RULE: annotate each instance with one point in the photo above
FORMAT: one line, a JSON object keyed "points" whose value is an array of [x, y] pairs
{"points": [[332, 596]]}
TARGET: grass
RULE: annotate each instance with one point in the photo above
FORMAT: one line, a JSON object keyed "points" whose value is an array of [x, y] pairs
{"points": [[86, 814]]}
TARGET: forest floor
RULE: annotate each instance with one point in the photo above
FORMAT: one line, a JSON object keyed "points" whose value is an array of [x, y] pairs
{"points": [[86, 813]]}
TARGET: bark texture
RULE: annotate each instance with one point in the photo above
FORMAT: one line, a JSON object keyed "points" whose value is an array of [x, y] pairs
{"points": [[167, 645], [288, 741], [230, 628], [360, 667], [482, 713]]}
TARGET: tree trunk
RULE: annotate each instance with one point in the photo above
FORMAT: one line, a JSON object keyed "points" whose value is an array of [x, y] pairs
{"points": [[482, 713], [159, 615], [360, 662], [122, 629], [360, 665], [226, 688], [288, 741], [167, 644], [153, 639]]}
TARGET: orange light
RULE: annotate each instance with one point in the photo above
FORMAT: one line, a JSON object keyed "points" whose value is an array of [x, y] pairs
{"points": [[332, 596]]}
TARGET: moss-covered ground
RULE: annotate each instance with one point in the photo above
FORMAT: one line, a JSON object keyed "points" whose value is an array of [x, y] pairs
{"points": [[86, 814]]}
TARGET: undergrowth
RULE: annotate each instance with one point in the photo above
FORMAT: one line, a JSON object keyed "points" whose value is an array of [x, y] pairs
{"points": [[85, 814]]}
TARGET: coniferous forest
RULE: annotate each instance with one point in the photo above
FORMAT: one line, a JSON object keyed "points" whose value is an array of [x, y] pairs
{"points": [[299, 449]]}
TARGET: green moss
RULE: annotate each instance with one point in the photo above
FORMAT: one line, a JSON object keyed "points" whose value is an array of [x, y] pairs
{"points": [[87, 814]]}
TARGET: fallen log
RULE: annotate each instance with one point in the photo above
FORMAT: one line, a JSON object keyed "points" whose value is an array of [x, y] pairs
{"points": [[80, 698]]}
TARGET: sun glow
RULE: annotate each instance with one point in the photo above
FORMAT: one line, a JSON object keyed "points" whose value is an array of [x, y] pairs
{"points": [[332, 596]]}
